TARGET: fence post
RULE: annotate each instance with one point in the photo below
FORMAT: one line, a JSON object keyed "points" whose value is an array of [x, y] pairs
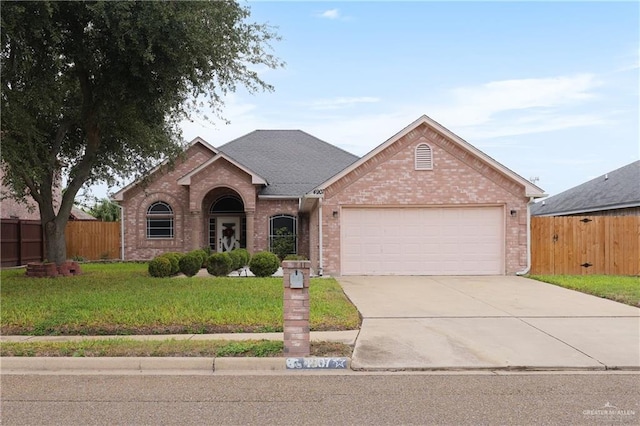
{"points": [[296, 275]]}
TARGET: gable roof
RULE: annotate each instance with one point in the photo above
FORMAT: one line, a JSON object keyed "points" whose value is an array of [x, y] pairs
{"points": [[255, 178], [292, 162], [614, 190], [119, 196], [531, 190]]}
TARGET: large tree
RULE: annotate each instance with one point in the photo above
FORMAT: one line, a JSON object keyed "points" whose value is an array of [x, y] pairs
{"points": [[93, 91]]}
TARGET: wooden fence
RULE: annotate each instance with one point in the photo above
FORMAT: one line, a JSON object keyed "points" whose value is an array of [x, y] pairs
{"points": [[93, 240], [581, 245], [21, 242]]}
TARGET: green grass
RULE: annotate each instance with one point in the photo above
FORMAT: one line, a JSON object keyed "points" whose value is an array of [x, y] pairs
{"points": [[123, 347], [123, 299], [619, 288]]}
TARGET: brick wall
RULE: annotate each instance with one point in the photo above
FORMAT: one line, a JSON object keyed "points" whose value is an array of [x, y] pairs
{"points": [[191, 205], [162, 186], [458, 178]]}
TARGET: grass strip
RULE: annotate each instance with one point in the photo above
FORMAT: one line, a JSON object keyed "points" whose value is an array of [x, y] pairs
{"points": [[123, 347], [122, 299], [623, 289]]}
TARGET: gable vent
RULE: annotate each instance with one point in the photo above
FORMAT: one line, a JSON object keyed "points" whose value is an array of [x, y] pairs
{"points": [[424, 157]]}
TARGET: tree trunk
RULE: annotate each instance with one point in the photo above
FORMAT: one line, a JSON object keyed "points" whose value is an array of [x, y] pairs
{"points": [[55, 243]]}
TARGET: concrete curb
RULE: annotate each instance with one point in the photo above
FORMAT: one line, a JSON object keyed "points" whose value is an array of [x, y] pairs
{"points": [[147, 364]]}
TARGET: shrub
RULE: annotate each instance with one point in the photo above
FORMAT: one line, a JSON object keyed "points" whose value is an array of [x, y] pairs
{"points": [[204, 255], [191, 263], [295, 257], [236, 259], [245, 256], [160, 267], [174, 258], [219, 264], [264, 264]]}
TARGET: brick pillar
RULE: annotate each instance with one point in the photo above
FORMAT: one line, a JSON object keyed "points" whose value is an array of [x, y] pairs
{"points": [[196, 230], [250, 231], [296, 308]]}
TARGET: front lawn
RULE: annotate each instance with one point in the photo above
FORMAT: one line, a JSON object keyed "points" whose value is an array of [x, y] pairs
{"points": [[619, 288], [122, 298]]}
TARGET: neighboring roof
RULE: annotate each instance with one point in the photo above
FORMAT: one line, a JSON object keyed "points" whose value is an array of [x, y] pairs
{"points": [[79, 214], [531, 190], [614, 190], [293, 162]]}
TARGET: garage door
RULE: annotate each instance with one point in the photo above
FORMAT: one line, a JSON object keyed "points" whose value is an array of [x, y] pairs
{"points": [[422, 241]]}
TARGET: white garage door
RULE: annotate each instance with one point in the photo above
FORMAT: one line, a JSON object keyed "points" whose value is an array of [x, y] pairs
{"points": [[422, 241]]}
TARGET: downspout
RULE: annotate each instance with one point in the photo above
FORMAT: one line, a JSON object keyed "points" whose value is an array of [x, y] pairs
{"points": [[528, 268], [320, 262]]}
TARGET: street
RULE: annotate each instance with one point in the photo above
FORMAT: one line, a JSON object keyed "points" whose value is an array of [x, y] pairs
{"points": [[354, 398]]}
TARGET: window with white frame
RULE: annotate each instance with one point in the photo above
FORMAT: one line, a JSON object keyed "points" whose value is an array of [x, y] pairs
{"points": [[283, 234], [424, 157], [159, 220]]}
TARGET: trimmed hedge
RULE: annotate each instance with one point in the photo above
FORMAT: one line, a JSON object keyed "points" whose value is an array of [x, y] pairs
{"points": [[264, 264], [174, 258], [160, 267], [219, 264], [191, 263]]}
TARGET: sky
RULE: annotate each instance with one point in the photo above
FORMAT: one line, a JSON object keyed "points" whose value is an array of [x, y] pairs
{"points": [[548, 89]]}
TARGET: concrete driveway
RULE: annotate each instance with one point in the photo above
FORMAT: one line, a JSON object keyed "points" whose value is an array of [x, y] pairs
{"points": [[502, 322]]}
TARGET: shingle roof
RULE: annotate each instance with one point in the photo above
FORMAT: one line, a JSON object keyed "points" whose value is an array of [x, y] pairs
{"points": [[617, 189], [78, 214], [292, 161]]}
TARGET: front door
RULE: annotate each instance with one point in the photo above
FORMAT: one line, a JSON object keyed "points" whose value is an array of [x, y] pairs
{"points": [[227, 233]]}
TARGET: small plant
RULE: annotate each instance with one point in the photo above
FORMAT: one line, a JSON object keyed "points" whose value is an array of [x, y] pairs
{"points": [[190, 263], [160, 267], [78, 258], [295, 257], [264, 264], [219, 264], [283, 243], [236, 260]]}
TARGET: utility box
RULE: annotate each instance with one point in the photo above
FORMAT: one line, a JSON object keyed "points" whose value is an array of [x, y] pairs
{"points": [[296, 275]]}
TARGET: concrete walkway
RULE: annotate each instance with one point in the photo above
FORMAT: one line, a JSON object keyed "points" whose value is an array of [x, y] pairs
{"points": [[425, 323]]}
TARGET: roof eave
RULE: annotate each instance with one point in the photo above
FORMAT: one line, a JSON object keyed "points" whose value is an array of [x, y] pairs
{"points": [[591, 209]]}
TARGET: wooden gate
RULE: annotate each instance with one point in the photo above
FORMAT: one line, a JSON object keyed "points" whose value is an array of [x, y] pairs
{"points": [[580, 245]]}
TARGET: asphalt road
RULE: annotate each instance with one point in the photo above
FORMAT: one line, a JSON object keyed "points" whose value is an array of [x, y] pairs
{"points": [[292, 399]]}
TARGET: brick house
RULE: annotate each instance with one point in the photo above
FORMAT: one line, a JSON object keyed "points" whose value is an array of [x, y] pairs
{"points": [[425, 202]]}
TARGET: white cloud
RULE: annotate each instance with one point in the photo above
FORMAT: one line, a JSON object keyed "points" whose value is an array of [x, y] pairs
{"points": [[477, 105], [330, 14], [340, 102]]}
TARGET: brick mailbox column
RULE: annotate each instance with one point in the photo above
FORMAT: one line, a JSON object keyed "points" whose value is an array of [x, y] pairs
{"points": [[296, 275]]}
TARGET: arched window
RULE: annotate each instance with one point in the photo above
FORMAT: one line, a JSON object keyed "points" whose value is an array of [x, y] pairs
{"points": [[283, 234], [227, 204], [424, 157], [160, 220]]}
